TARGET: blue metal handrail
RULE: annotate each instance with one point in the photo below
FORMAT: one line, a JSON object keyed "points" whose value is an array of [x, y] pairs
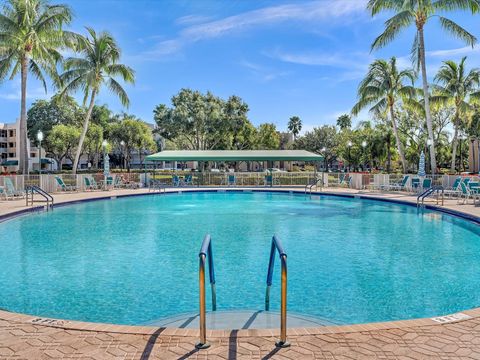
{"points": [[206, 252], [277, 246]]}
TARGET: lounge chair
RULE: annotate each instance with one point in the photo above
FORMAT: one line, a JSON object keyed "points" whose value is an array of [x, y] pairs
{"points": [[63, 186], [399, 186], [269, 180], [466, 193], [415, 185], [11, 192], [345, 180], [90, 183], [453, 190], [118, 183]]}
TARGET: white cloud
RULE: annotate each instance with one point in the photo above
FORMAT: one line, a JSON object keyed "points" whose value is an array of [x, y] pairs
{"points": [[191, 19], [464, 51], [14, 93], [262, 73], [314, 11]]}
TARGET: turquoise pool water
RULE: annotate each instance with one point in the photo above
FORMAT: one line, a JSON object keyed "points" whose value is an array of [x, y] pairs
{"points": [[134, 260]]}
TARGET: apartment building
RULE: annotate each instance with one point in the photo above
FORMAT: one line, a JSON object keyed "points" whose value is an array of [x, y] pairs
{"points": [[9, 149]]}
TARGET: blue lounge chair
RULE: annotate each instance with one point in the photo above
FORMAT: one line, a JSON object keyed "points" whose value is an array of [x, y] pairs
{"points": [[63, 186], [10, 191], [465, 193], [90, 183], [396, 186], [426, 184], [453, 190]]}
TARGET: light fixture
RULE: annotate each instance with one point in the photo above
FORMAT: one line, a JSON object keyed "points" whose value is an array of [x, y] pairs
{"points": [[40, 135], [323, 149], [104, 143], [349, 144], [364, 144]]}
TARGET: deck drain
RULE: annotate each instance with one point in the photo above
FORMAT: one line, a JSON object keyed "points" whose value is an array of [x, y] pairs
{"points": [[451, 318], [47, 321]]}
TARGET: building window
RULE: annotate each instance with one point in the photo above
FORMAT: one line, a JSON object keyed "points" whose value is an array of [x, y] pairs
{"points": [[4, 156], [11, 155], [12, 133], [11, 144], [32, 155], [3, 145], [3, 133]]}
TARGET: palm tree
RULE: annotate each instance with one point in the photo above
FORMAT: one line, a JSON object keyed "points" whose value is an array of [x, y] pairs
{"points": [[98, 66], [295, 126], [344, 122], [30, 36], [383, 87], [457, 87], [418, 12]]}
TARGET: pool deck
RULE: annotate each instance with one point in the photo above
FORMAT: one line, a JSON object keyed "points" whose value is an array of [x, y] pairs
{"points": [[28, 337]]}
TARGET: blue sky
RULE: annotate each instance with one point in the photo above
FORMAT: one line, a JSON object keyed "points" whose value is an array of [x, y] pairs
{"points": [[283, 58]]}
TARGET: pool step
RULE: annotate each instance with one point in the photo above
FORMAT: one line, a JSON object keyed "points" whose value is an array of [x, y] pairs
{"points": [[240, 319]]}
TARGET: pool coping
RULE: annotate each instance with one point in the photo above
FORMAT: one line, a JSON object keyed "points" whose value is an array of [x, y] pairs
{"points": [[150, 330]]}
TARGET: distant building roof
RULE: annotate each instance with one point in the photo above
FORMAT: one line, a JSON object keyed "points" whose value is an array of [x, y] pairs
{"points": [[234, 155]]}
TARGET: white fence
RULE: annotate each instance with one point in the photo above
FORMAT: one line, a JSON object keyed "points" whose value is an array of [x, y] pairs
{"points": [[49, 182]]}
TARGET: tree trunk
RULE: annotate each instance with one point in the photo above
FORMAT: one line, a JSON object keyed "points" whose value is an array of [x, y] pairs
{"points": [[389, 155], [397, 140], [22, 150], [426, 96], [84, 131], [454, 144]]}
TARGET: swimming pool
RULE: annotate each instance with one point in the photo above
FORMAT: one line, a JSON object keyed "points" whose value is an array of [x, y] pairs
{"points": [[134, 260]]}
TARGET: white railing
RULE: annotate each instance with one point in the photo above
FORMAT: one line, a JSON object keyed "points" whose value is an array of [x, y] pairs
{"points": [[359, 181]]}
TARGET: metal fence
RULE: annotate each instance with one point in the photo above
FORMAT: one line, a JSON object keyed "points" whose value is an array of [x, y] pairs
{"points": [[50, 183]]}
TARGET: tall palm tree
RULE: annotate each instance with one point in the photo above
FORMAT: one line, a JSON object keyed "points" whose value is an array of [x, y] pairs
{"points": [[30, 36], [383, 86], [457, 87], [295, 126], [98, 66], [418, 12]]}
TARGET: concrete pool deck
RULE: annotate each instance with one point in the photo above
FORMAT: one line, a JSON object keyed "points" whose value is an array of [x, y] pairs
{"points": [[28, 337]]}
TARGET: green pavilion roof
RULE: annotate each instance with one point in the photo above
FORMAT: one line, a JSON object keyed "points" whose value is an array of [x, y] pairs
{"points": [[234, 155]]}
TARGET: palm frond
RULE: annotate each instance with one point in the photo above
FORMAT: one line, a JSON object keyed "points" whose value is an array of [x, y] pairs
{"points": [[457, 31], [117, 89]]}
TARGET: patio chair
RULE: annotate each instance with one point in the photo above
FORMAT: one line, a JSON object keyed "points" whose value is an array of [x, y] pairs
{"points": [[63, 186], [118, 182], [399, 186], [426, 184], [415, 185], [11, 192], [175, 180], [187, 181], [231, 180]]}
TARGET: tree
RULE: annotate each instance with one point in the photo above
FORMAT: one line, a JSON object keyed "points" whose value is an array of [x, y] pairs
{"points": [[382, 88], [63, 139], [321, 140], [97, 67], [43, 115], [204, 121], [295, 126], [344, 122], [93, 143], [131, 134], [418, 12], [268, 137], [30, 36], [456, 87]]}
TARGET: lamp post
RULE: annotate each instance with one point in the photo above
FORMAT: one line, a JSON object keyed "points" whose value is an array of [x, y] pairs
{"points": [[122, 144], [40, 138], [364, 146], [349, 145], [105, 160]]}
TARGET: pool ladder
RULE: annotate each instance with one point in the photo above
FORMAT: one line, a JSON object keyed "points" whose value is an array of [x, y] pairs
{"points": [[434, 189], [314, 183], [31, 190], [206, 253]]}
